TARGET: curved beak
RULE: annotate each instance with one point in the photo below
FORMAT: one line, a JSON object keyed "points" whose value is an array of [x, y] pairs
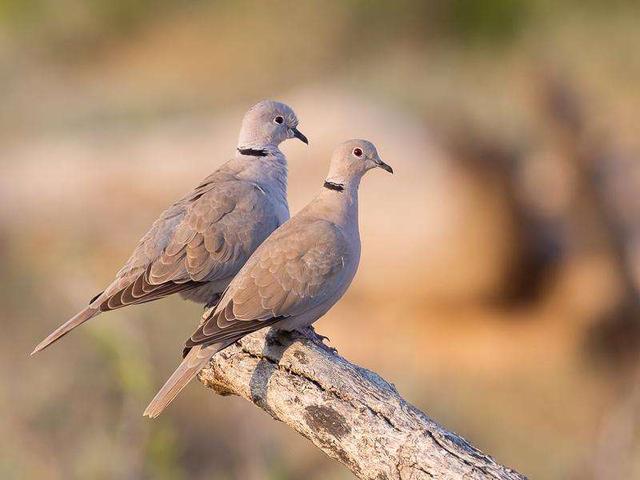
{"points": [[384, 166], [299, 135]]}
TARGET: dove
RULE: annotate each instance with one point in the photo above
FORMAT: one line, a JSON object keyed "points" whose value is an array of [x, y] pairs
{"points": [[300, 271], [198, 244]]}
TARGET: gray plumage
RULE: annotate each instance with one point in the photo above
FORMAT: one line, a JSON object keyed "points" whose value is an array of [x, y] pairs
{"points": [[199, 243], [294, 277]]}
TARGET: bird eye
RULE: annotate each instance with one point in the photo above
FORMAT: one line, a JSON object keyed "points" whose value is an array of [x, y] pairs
{"points": [[357, 152], [279, 119]]}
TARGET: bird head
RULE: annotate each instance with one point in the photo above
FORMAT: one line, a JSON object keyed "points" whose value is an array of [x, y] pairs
{"points": [[352, 159], [269, 123]]}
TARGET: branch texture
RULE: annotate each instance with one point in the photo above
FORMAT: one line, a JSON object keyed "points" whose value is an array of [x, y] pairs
{"points": [[348, 412]]}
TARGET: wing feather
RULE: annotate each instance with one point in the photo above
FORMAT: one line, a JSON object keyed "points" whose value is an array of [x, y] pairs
{"points": [[206, 236], [292, 272]]}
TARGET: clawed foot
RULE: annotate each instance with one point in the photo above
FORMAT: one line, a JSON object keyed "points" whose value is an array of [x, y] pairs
{"points": [[310, 331]]}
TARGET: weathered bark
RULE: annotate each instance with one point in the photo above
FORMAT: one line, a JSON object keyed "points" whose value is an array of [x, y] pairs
{"points": [[348, 412]]}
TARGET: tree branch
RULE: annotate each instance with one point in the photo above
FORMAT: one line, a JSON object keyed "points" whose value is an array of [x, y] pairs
{"points": [[348, 412]]}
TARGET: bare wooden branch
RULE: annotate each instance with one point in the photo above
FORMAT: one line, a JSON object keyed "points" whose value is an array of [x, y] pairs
{"points": [[348, 412]]}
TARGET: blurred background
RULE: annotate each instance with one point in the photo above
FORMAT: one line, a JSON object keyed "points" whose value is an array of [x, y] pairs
{"points": [[498, 288]]}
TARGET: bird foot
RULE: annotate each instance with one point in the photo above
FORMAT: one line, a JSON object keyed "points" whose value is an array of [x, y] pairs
{"points": [[310, 331]]}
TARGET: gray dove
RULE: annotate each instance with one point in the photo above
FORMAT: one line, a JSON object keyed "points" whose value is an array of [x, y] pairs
{"points": [[294, 277], [200, 242]]}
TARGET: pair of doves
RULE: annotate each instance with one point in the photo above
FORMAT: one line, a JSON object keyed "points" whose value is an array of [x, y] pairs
{"points": [[230, 244]]}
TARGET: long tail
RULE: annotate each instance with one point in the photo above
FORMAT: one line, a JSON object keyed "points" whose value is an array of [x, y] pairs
{"points": [[65, 328], [195, 361]]}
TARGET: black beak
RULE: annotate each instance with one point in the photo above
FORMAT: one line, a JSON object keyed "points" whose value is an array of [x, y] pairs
{"points": [[384, 166], [299, 135]]}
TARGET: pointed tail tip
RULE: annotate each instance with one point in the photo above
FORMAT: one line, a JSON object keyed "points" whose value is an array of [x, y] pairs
{"points": [[41, 346], [151, 413], [160, 402], [65, 328], [185, 372]]}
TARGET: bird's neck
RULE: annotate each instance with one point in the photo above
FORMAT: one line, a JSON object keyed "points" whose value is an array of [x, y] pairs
{"points": [[257, 149], [269, 171], [252, 136], [338, 203], [345, 188]]}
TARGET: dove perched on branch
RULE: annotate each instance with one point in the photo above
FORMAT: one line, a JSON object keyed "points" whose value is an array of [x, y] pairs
{"points": [[199, 243], [294, 277]]}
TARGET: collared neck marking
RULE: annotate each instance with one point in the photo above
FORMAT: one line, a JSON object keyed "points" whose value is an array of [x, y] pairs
{"points": [[338, 187], [254, 152]]}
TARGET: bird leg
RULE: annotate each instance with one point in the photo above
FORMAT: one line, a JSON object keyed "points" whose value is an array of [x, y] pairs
{"points": [[309, 331]]}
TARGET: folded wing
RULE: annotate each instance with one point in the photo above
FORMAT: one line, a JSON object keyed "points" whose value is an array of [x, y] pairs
{"points": [[295, 270], [205, 237]]}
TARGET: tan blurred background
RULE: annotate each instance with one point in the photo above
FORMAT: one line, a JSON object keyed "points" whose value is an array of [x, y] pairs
{"points": [[498, 285]]}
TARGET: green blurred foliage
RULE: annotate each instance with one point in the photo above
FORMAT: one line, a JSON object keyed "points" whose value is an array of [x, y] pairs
{"points": [[73, 24], [124, 361], [488, 20], [16, 13], [162, 459], [116, 16]]}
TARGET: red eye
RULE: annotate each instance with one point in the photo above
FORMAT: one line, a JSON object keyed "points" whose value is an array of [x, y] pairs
{"points": [[279, 119], [357, 152]]}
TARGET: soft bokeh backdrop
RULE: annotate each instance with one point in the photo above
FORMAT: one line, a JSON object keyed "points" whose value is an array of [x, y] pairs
{"points": [[498, 284]]}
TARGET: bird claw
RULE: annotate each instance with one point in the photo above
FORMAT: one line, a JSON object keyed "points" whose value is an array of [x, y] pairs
{"points": [[311, 331], [330, 348]]}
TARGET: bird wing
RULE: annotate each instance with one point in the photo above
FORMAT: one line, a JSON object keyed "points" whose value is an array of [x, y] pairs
{"points": [[206, 236], [299, 267]]}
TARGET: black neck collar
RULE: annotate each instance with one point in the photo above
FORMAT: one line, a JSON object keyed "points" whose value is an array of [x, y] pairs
{"points": [[254, 152], [338, 187]]}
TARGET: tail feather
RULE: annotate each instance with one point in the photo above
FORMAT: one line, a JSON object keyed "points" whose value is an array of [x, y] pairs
{"points": [[188, 369], [65, 328]]}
